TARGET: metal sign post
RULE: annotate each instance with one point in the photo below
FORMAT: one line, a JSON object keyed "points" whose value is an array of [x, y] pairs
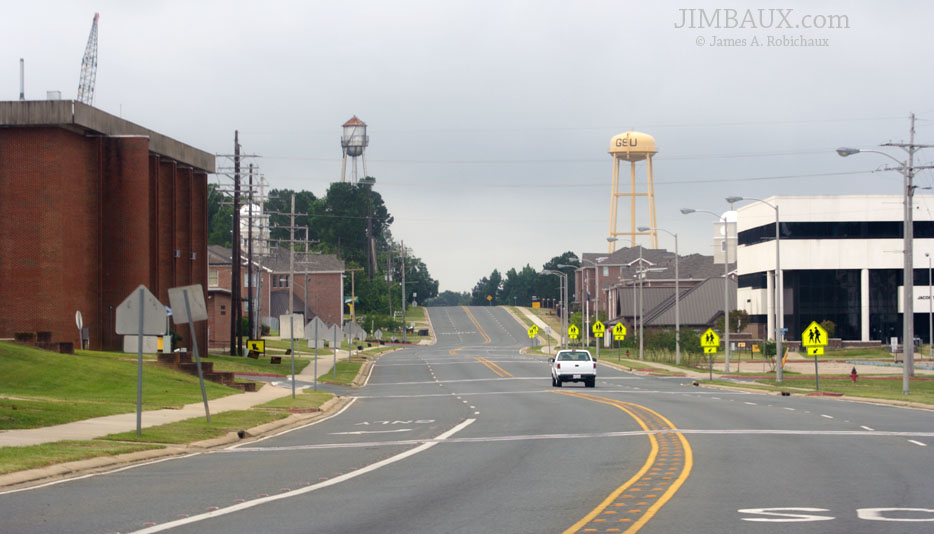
{"points": [[316, 355], [334, 349], [148, 319], [191, 299]]}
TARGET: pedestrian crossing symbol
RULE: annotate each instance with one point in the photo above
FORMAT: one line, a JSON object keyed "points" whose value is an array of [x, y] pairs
{"points": [[574, 331], [619, 332], [710, 341], [598, 329], [533, 331], [814, 338]]}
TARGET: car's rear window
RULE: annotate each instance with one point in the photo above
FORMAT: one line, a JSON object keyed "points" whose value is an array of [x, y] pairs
{"points": [[574, 356]]}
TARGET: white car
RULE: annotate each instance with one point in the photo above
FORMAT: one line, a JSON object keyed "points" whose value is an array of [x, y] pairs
{"points": [[573, 366]]}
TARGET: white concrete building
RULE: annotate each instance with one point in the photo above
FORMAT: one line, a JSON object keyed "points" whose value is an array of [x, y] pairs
{"points": [[841, 259]]}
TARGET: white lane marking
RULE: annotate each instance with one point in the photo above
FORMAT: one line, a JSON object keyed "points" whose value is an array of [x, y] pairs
{"points": [[789, 409], [718, 398], [370, 373], [473, 407], [864, 427], [826, 416], [917, 443], [315, 422], [630, 433], [750, 403], [125, 468], [476, 413], [777, 515], [359, 432], [307, 489]]}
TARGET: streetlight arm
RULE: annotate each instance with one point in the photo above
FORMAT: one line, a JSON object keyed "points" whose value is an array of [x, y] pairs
{"points": [[844, 152]]}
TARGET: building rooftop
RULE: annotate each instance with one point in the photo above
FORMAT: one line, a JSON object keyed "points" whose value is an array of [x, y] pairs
{"points": [[85, 119], [278, 260]]}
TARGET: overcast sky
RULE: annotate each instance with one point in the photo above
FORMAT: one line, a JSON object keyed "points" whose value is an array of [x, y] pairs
{"points": [[490, 121]]}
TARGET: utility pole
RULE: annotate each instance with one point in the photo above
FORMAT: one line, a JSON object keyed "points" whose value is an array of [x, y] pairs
{"points": [[249, 262], [236, 339], [404, 324]]}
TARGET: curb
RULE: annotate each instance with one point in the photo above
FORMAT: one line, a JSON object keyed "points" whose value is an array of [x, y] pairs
{"points": [[53, 473], [843, 398]]}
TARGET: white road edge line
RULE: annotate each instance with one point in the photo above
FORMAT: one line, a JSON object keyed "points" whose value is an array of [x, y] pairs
{"points": [[308, 489], [368, 375], [315, 422], [917, 443], [864, 427]]}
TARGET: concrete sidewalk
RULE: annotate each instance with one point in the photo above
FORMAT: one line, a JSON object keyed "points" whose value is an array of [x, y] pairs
{"points": [[101, 426], [542, 326]]}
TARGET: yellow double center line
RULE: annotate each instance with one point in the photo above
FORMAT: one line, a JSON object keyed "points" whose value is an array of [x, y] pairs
{"points": [[629, 507], [493, 367]]}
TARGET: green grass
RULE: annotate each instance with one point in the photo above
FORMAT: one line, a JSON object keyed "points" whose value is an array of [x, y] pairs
{"points": [[416, 314], [60, 388], [921, 391], [346, 372], [35, 456], [198, 429], [305, 399], [245, 365]]}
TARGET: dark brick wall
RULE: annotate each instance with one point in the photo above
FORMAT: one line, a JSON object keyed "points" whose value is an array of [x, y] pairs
{"points": [[86, 220]]}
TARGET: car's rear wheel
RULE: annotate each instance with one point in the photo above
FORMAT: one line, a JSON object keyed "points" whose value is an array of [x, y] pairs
{"points": [[558, 382], [591, 382], [553, 381]]}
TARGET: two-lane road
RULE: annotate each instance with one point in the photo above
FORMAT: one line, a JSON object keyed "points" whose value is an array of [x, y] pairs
{"points": [[468, 435]]}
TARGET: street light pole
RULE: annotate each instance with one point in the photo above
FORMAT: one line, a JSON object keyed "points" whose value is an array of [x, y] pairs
{"points": [[726, 286], [778, 289], [930, 311], [562, 278], [677, 295], [908, 171]]}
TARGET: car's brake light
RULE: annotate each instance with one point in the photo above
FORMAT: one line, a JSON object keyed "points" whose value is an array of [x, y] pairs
{"points": [[558, 366], [594, 365]]}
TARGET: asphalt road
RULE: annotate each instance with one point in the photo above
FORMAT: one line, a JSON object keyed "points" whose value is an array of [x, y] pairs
{"points": [[469, 436]]}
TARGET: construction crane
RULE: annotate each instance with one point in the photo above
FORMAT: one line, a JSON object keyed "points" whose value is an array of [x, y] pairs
{"points": [[89, 67]]}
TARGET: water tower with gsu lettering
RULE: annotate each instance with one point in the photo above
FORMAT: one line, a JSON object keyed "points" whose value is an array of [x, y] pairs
{"points": [[633, 147], [354, 141]]}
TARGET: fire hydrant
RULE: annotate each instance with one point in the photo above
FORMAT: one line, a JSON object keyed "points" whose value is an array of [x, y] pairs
{"points": [[627, 353], [854, 375]]}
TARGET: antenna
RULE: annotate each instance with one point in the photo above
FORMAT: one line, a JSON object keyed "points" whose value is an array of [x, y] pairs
{"points": [[89, 67], [22, 79]]}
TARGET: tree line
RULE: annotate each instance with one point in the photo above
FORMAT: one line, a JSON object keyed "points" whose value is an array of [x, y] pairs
{"points": [[516, 287]]}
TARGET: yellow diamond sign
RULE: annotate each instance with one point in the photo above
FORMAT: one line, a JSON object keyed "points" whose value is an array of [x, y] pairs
{"points": [[710, 339], [598, 329], [814, 336], [533, 331], [619, 331], [574, 331]]}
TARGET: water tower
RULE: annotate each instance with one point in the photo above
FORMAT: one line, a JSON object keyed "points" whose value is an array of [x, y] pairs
{"points": [[354, 142], [632, 147]]}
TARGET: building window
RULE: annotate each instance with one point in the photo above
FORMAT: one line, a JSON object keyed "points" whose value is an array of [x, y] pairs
{"points": [[212, 278], [754, 280], [835, 230], [223, 309]]}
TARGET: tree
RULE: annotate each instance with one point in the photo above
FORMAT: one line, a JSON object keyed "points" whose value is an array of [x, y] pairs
{"points": [[450, 298], [220, 218], [546, 286], [738, 321], [519, 287], [487, 286]]}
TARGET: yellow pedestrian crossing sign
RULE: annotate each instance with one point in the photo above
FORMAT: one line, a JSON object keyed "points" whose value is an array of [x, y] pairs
{"points": [[533, 331], [574, 331], [256, 345], [814, 336], [598, 329], [710, 341], [619, 331]]}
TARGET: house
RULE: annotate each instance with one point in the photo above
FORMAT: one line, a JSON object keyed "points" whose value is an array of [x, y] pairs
{"points": [[317, 290]]}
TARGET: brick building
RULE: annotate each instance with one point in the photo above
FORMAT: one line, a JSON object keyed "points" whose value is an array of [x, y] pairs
{"points": [[317, 290], [93, 207]]}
